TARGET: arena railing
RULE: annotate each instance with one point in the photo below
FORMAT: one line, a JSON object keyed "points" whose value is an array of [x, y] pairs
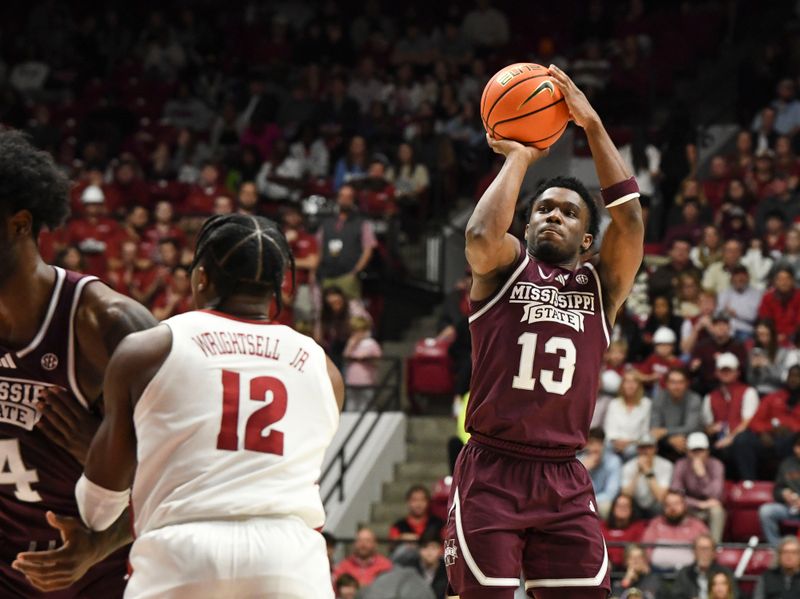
{"points": [[385, 398]]}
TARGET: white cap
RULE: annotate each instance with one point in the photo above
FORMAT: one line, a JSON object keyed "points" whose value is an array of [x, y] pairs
{"points": [[727, 360], [664, 335], [93, 195], [610, 381], [697, 441]]}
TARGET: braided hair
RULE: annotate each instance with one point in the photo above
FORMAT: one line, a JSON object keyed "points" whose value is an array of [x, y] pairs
{"points": [[243, 254]]}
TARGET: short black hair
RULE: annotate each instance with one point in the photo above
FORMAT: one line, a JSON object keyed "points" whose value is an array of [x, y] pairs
{"points": [[572, 184], [784, 268], [243, 254], [597, 434], [30, 180], [418, 489]]}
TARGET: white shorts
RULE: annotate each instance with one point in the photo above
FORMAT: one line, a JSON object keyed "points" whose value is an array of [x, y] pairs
{"points": [[271, 558]]}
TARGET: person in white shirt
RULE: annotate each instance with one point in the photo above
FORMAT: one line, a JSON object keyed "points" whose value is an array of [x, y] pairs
{"points": [[280, 177], [717, 276], [628, 416], [647, 477], [740, 302], [220, 420]]}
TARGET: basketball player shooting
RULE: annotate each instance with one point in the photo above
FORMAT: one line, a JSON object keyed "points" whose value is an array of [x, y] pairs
{"points": [[540, 321], [58, 330], [224, 417]]}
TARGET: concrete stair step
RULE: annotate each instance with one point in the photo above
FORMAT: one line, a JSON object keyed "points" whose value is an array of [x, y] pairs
{"points": [[431, 429], [422, 470], [424, 451], [388, 511]]}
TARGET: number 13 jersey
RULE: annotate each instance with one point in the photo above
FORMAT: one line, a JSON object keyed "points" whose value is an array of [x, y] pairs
{"points": [[537, 351], [235, 424]]}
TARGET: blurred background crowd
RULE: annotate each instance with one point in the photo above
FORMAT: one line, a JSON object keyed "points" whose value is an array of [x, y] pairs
{"points": [[354, 125]]}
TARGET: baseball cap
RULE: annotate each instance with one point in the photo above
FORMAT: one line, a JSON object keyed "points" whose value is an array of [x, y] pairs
{"points": [[664, 335], [646, 440], [727, 360], [697, 441], [93, 195]]}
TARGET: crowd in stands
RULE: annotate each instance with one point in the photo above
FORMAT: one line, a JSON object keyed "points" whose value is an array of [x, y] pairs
{"points": [[356, 128]]}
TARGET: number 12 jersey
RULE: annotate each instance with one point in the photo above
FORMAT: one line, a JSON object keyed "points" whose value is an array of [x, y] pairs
{"points": [[537, 351], [235, 424]]}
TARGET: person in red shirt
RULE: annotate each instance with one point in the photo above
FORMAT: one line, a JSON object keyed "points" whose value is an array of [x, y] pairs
{"points": [[94, 232], [365, 563], [781, 304], [655, 368], [418, 521], [129, 185], [772, 428], [704, 355], [201, 196], [375, 192], [305, 249], [176, 297], [164, 226], [623, 526]]}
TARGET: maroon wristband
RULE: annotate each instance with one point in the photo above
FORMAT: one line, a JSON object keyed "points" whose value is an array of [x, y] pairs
{"points": [[621, 192]]}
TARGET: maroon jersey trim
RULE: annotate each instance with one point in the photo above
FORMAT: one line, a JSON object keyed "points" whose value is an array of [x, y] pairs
{"points": [[496, 297], [72, 375], [606, 323], [61, 275]]}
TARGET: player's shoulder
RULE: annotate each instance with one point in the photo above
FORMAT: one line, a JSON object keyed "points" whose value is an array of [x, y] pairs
{"points": [[107, 311]]}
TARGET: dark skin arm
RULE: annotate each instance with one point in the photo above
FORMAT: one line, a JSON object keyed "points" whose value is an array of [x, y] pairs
{"points": [[103, 319], [623, 245]]}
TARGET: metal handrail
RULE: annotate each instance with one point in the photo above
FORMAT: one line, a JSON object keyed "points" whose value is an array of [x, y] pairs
{"points": [[390, 381]]}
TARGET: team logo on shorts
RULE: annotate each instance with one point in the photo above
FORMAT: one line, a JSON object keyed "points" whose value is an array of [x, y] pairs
{"points": [[450, 552], [582, 279], [49, 361]]}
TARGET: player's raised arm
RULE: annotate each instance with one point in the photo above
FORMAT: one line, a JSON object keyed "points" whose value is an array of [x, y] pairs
{"points": [[490, 248], [623, 244]]}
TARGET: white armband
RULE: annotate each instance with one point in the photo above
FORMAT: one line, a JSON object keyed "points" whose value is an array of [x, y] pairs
{"points": [[99, 507]]}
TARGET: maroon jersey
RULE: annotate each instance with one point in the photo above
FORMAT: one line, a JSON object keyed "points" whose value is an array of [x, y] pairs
{"points": [[36, 475], [537, 350]]}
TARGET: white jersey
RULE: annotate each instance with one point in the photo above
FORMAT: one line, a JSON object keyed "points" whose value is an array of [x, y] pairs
{"points": [[234, 424]]}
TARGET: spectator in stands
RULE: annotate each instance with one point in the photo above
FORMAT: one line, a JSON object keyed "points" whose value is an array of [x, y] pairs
{"points": [[375, 192], [697, 328], [247, 199], [403, 581], [781, 304], [780, 204], [676, 412], [674, 527], [305, 249], [664, 281], [704, 355], [164, 226], [353, 166], [722, 586], [697, 579], [646, 477], [333, 328], [431, 564], [772, 429], [94, 233], [690, 226], [655, 368], [782, 581], [485, 27], [311, 151], [787, 496], [71, 258], [765, 359], [346, 587], [223, 205], [610, 383], [717, 276], [740, 303], [764, 134], [418, 522], [605, 469], [662, 316], [715, 187], [638, 576], [281, 177], [787, 108], [365, 563], [411, 181], [361, 354], [346, 241], [728, 408], [758, 263], [628, 416], [176, 297], [709, 249], [622, 526], [688, 300], [702, 480]]}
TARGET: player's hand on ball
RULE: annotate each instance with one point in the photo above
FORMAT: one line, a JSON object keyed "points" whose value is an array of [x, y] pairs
{"points": [[580, 110], [66, 422], [62, 567], [506, 147]]}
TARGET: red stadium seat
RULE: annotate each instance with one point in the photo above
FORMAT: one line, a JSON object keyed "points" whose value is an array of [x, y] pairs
{"points": [[742, 501], [429, 369]]}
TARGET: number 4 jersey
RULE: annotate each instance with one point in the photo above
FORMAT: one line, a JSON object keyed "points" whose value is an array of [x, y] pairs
{"points": [[234, 424], [537, 349]]}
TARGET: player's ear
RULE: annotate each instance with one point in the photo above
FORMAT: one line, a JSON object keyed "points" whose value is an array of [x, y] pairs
{"points": [[20, 224], [587, 242], [527, 227], [202, 278]]}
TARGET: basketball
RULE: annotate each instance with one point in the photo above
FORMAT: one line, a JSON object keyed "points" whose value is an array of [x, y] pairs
{"points": [[523, 103]]}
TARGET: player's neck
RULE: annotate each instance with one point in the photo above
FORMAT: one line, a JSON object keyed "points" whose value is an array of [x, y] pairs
{"points": [[23, 300], [571, 264], [247, 307]]}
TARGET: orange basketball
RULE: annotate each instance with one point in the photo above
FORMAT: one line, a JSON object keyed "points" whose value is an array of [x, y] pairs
{"points": [[521, 102]]}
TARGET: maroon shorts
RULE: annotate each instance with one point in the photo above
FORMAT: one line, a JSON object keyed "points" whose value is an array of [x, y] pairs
{"points": [[509, 515]]}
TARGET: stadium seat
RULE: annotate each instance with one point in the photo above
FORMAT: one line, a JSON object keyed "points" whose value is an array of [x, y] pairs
{"points": [[742, 501], [439, 497], [429, 368]]}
